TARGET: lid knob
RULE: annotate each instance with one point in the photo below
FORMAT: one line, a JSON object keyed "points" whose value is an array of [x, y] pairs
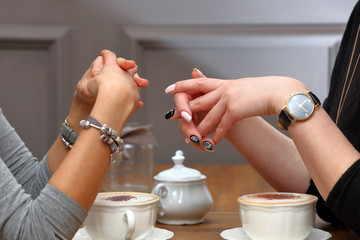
{"points": [[178, 159]]}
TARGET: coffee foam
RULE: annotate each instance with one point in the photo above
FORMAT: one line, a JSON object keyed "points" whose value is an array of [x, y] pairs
{"points": [[276, 198], [120, 198]]}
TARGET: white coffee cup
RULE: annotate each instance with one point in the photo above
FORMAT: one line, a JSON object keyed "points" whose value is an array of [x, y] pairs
{"points": [[277, 216], [122, 215]]}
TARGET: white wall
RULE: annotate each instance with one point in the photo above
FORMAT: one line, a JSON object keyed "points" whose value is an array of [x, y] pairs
{"points": [[226, 39], [159, 12]]}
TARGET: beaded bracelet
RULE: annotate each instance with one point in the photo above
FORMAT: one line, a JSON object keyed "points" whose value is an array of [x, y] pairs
{"points": [[109, 136]]}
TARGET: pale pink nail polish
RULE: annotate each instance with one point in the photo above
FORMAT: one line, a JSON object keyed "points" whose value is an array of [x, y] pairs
{"points": [[186, 116], [187, 140], [170, 88]]}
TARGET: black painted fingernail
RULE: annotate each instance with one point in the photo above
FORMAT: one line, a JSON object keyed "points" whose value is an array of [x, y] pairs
{"points": [[208, 145], [195, 139], [170, 113]]}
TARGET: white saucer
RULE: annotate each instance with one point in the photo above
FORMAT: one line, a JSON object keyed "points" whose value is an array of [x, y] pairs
{"points": [[239, 234], [156, 234]]}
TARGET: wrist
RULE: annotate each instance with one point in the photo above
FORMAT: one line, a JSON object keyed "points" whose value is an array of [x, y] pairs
{"points": [[79, 110], [288, 87], [114, 110]]}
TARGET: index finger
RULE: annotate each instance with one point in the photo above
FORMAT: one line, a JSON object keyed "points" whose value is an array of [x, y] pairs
{"points": [[182, 106], [140, 82], [203, 85], [126, 64]]}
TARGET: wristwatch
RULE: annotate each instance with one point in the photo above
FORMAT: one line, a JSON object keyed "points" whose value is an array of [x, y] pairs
{"points": [[299, 107]]}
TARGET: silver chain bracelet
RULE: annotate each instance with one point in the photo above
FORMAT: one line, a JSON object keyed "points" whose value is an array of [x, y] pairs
{"points": [[109, 136]]}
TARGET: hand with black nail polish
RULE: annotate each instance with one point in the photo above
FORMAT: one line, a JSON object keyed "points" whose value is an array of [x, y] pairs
{"points": [[195, 139], [187, 121], [170, 113], [208, 146]]}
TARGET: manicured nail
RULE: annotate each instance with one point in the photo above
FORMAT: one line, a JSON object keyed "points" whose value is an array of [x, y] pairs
{"points": [[199, 72], [195, 139], [170, 88], [208, 145], [186, 116], [170, 113], [187, 140]]}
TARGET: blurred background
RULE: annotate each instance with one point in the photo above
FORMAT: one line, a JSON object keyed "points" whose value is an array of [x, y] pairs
{"points": [[46, 46]]}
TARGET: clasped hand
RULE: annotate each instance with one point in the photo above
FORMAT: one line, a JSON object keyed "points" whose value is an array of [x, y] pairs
{"points": [[111, 75]]}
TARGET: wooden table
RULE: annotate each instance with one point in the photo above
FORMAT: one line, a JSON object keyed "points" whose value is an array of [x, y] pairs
{"points": [[226, 183]]}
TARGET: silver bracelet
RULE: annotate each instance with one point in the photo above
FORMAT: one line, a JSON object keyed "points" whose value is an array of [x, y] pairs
{"points": [[67, 134], [109, 136]]}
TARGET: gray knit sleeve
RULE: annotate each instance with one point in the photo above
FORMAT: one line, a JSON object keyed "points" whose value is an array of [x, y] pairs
{"points": [[52, 215], [27, 170], [29, 207]]}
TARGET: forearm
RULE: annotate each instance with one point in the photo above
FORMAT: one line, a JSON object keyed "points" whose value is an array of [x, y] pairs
{"points": [[271, 153], [79, 176], [324, 149], [81, 173]]}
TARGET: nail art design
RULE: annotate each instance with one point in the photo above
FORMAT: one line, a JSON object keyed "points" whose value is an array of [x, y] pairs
{"points": [[170, 113], [195, 139], [208, 145]]}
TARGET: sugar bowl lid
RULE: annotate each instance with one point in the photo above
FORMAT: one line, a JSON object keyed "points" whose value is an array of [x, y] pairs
{"points": [[179, 172]]}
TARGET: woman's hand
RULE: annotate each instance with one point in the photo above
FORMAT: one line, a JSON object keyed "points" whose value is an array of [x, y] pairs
{"points": [[119, 71], [82, 91], [114, 88], [131, 67], [229, 101], [188, 121]]}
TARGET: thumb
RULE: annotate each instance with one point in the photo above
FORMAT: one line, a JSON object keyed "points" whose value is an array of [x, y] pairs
{"points": [[96, 66], [109, 58]]}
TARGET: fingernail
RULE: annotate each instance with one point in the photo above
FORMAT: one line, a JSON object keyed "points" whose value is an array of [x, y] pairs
{"points": [[187, 140], [208, 145], [170, 113], [170, 88], [199, 72], [186, 116], [195, 139]]}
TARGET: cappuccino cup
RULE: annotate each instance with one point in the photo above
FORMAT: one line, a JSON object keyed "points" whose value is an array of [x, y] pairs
{"points": [[122, 216], [277, 215]]}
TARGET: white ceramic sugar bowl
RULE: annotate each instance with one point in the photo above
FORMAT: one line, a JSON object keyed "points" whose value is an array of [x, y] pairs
{"points": [[184, 196]]}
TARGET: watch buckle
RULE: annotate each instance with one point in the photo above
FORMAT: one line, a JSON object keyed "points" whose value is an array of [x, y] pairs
{"points": [[281, 126]]}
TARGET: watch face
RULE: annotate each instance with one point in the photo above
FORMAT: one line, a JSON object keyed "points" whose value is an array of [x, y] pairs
{"points": [[300, 106]]}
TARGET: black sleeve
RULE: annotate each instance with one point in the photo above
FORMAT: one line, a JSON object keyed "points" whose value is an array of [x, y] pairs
{"points": [[322, 210], [344, 198], [343, 203]]}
